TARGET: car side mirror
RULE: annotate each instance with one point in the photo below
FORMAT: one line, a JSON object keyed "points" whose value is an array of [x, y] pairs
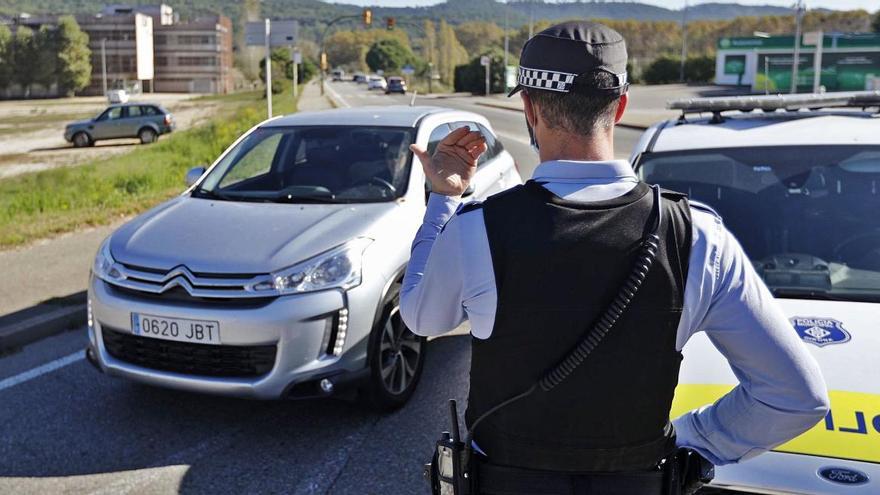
{"points": [[193, 175], [468, 192]]}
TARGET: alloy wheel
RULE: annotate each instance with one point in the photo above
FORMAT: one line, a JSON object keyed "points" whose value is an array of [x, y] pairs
{"points": [[400, 351]]}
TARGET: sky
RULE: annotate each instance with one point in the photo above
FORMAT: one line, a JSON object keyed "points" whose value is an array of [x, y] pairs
{"points": [[869, 5]]}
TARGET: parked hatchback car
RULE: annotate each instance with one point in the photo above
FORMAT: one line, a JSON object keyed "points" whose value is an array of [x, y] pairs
{"points": [[145, 121], [376, 82], [800, 190], [277, 273]]}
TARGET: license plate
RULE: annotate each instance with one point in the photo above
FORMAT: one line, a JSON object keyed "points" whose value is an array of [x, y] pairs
{"points": [[179, 329]]}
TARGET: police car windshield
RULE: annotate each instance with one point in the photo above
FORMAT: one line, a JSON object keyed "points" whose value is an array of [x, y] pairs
{"points": [[807, 216]]}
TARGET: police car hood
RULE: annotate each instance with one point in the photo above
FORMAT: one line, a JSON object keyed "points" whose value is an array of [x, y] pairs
{"points": [[840, 453]]}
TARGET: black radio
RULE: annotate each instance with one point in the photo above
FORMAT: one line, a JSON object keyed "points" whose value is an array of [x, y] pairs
{"points": [[448, 471]]}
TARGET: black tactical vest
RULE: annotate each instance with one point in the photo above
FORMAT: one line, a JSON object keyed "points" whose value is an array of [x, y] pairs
{"points": [[558, 264]]}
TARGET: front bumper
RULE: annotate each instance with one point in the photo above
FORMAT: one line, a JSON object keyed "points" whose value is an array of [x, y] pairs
{"points": [[299, 326]]}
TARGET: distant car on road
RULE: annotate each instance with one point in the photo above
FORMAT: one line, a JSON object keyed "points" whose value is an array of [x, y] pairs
{"points": [[376, 82], [796, 179], [396, 85], [145, 121], [359, 77], [117, 96], [338, 75], [277, 273]]}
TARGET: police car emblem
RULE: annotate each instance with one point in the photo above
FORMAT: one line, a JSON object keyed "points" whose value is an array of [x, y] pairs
{"points": [[820, 331], [844, 476]]}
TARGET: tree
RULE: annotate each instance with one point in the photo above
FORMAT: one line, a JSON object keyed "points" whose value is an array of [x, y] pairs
{"points": [[477, 37], [875, 24], [74, 58], [23, 55], [5, 57], [472, 76], [451, 53], [45, 61], [389, 56], [280, 66]]}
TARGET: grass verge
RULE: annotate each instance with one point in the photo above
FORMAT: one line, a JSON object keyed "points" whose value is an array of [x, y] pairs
{"points": [[42, 204]]}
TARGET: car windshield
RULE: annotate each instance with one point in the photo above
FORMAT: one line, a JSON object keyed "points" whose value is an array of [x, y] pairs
{"points": [[327, 164], [807, 216]]}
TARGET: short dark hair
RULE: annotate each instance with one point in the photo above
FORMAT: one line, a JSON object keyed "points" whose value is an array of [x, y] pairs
{"points": [[578, 113]]}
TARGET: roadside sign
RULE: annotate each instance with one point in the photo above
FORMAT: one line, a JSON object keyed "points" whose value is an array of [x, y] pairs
{"points": [[812, 38], [297, 57], [408, 70], [485, 60], [283, 33]]}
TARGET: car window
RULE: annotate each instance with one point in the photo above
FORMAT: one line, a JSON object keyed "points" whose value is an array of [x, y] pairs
{"points": [[437, 135], [111, 114], [256, 161], [806, 216], [133, 112], [315, 163], [492, 146], [148, 110]]}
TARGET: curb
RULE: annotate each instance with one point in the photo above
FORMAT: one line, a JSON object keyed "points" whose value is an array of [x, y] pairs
{"points": [[636, 127], [43, 320]]}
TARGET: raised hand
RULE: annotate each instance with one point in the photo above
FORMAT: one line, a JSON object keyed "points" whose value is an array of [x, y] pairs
{"points": [[452, 167]]}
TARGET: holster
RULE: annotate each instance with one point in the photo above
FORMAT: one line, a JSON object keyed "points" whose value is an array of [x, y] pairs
{"points": [[685, 472]]}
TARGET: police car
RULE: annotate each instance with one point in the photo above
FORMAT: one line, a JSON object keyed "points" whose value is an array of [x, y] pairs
{"points": [[796, 179]]}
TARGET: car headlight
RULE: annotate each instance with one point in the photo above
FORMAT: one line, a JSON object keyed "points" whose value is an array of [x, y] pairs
{"points": [[105, 267], [338, 268]]}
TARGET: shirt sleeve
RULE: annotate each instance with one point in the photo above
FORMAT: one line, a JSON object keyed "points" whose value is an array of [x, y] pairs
{"points": [[781, 391]]}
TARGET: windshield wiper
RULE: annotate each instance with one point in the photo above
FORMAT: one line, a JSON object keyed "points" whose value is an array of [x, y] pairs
{"points": [[292, 198], [211, 194]]}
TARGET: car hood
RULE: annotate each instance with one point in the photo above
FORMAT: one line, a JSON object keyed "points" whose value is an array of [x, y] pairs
{"points": [[210, 236], [80, 122]]}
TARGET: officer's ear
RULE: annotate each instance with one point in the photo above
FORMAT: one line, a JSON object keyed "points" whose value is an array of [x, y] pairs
{"points": [[529, 110], [621, 107]]}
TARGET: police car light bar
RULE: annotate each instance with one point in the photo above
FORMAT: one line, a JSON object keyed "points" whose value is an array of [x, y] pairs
{"points": [[767, 103]]}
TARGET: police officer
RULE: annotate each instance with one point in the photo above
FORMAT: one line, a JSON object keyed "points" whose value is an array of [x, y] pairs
{"points": [[533, 269]]}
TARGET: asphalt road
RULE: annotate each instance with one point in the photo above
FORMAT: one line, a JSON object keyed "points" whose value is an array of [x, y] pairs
{"points": [[65, 428]]}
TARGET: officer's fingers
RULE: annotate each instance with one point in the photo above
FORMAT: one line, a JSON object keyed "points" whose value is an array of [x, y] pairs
{"points": [[478, 150], [453, 137], [469, 138], [421, 153]]}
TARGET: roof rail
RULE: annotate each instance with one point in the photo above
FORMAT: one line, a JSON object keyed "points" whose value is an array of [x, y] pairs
{"points": [[716, 105]]}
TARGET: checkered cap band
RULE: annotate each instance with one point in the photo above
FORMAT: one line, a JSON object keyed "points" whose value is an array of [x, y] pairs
{"points": [[546, 79]]}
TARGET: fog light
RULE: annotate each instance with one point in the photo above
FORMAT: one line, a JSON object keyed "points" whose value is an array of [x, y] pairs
{"points": [[326, 386], [341, 330]]}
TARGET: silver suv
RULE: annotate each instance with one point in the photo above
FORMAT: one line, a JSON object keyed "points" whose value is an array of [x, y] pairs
{"points": [[276, 274], [145, 121]]}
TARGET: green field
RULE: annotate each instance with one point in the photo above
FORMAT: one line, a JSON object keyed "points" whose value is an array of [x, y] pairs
{"points": [[42, 204]]}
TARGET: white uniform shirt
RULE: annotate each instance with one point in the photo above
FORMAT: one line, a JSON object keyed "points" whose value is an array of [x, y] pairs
{"points": [[781, 392]]}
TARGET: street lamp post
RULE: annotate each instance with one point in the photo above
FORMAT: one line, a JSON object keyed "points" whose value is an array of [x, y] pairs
{"points": [[367, 16], [799, 15], [683, 40], [506, 44]]}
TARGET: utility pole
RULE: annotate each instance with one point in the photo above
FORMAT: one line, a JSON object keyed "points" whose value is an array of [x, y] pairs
{"points": [[799, 15], [817, 62], [268, 70], [506, 44], [104, 64], [531, 19], [684, 35], [295, 58]]}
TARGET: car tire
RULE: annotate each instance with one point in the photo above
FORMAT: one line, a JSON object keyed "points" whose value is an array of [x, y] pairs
{"points": [[396, 359], [81, 140], [147, 136]]}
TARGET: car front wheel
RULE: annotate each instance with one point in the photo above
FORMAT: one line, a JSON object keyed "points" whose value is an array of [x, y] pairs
{"points": [[81, 140], [147, 136], [397, 357]]}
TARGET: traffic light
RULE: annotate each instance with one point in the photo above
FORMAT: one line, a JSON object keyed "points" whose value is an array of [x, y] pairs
{"points": [[324, 64], [389, 23], [368, 17]]}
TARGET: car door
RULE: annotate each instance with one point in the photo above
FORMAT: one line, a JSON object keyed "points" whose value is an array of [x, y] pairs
{"points": [[106, 126], [131, 122]]}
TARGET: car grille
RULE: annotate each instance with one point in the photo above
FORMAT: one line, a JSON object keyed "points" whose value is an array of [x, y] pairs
{"points": [[191, 359], [198, 286]]}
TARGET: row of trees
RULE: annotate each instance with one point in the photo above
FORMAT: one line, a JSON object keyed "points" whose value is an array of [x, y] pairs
{"points": [[53, 55]]}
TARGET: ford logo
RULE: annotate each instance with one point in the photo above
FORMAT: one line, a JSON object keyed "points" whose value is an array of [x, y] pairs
{"points": [[844, 476]]}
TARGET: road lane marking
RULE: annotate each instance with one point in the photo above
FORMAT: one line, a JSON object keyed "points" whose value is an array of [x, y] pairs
{"points": [[342, 101], [41, 370]]}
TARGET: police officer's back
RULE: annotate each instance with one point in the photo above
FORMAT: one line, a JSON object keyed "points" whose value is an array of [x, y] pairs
{"points": [[582, 286]]}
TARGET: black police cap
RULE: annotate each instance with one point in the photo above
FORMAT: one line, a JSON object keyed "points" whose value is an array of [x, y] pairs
{"points": [[563, 57]]}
